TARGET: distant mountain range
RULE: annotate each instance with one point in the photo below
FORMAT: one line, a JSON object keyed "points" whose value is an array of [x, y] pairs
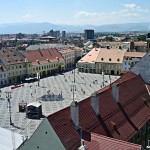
{"points": [[29, 28]]}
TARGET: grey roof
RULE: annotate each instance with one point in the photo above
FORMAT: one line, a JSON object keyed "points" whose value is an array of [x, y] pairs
{"points": [[44, 46]]}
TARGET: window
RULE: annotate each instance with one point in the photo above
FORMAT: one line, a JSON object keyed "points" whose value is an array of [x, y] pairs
{"points": [[0, 75], [20, 66], [39, 68], [109, 59]]}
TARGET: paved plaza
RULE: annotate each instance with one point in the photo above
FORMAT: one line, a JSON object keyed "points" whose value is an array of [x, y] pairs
{"points": [[54, 93]]}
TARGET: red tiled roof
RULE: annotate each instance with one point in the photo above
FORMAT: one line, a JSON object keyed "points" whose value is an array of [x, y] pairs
{"points": [[42, 56], [120, 120], [99, 142], [134, 54], [12, 56]]}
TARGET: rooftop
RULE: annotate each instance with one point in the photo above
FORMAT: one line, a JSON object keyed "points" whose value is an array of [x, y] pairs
{"points": [[134, 54], [100, 142], [104, 55], [12, 56], [117, 119], [41, 56]]}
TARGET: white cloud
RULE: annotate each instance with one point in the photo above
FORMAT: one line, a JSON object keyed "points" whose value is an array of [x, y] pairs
{"points": [[130, 6], [27, 16], [129, 13], [86, 14]]}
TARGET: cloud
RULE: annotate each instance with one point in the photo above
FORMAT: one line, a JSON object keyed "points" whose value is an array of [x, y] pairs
{"points": [[86, 14], [130, 6], [28, 16], [128, 13]]}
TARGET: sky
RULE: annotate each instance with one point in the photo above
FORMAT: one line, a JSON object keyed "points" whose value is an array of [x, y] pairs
{"points": [[75, 12]]}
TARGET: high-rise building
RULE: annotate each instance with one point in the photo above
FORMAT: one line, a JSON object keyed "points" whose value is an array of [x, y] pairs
{"points": [[63, 34], [56, 33], [89, 34], [51, 33]]}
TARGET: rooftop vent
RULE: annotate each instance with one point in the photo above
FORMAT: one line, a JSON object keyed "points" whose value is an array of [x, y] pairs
{"points": [[38, 61], [48, 60]]}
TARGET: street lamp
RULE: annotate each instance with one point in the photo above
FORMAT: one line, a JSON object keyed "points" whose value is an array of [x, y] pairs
{"points": [[38, 78], [8, 96], [73, 89]]}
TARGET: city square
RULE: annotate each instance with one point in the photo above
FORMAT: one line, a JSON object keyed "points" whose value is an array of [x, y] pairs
{"points": [[54, 93]]}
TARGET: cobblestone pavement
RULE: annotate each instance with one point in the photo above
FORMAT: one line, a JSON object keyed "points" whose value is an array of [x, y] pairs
{"points": [[60, 96]]}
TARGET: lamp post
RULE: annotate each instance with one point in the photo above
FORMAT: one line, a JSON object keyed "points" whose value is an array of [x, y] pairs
{"points": [[38, 77], [8, 96], [73, 89]]}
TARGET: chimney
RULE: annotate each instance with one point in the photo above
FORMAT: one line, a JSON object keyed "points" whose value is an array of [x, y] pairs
{"points": [[74, 109], [148, 146], [83, 147], [115, 92], [95, 103]]}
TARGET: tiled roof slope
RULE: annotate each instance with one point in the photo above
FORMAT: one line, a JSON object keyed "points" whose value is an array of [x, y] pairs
{"points": [[2, 67], [99, 142], [134, 54], [11, 56], [43, 55], [118, 120]]}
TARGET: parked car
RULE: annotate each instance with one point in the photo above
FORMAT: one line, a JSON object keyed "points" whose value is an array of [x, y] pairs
{"points": [[16, 86]]}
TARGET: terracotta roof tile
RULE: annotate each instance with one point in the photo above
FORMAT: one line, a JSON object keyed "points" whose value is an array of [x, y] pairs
{"points": [[12, 56], [99, 142], [43, 55], [134, 54]]}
